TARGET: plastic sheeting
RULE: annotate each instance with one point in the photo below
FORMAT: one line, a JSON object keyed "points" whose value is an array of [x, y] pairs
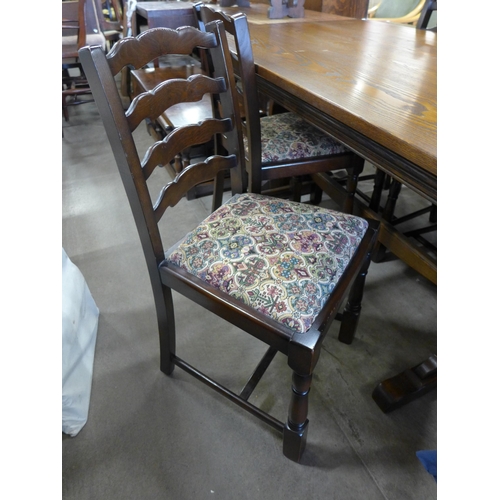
{"points": [[79, 332]]}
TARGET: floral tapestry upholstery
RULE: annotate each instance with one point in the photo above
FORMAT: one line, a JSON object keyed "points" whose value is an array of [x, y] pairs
{"points": [[286, 136], [280, 257]]}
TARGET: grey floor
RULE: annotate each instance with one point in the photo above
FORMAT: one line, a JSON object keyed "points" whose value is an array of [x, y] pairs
{"points": [[149, 436]]}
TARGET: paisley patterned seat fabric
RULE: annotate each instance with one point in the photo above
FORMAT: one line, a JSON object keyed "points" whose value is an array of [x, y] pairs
{"points": [[279, 257], [286, 136]]}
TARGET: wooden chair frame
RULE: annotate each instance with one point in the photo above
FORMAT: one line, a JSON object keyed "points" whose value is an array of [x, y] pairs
{"points": [[302, 350]]}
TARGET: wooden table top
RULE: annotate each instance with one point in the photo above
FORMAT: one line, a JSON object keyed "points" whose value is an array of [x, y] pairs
{"points": [[376, 78]]}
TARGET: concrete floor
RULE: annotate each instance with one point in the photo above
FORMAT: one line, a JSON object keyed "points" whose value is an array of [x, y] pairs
{"points": [[149, 436]]}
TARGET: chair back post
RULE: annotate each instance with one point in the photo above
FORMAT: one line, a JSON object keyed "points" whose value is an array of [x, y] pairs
{"points": [[244, 71], [109, 103], [232, 141]]}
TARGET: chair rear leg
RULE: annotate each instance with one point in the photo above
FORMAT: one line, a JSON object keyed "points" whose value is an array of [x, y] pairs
{"points": [[295, 431], [352, 311], [166, 328]]}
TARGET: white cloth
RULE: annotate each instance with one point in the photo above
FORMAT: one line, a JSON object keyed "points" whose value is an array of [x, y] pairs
{"points": [[79, 332]]}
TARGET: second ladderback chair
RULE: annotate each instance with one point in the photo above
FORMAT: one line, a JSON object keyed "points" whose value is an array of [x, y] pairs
{"points": [[277, 270], [281, 145]]}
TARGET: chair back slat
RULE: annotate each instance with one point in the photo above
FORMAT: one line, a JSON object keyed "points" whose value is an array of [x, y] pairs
{"points": [[138, 51], [189, 177], [155, 102], [163, 152]]}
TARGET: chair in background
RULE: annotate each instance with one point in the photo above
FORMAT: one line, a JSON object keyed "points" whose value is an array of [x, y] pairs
{"points": [[411, 17], [110, 17], [372, 9], [79, 28], [278, 270], [429, 7], [278, 146]]}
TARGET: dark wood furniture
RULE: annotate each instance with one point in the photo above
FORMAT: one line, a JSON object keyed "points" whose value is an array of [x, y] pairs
{"points": [[298, 337], [412, 383], [175, 14], [166, 14], [407, 386], [384, 181], [279, 146], [146, 79], [364, 93], [373, 87]]}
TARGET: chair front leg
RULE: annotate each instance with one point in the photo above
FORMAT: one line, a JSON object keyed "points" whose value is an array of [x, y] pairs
{"points": [[357, 165], [295, 431]]}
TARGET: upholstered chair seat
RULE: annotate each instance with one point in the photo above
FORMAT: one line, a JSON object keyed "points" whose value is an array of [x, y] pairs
{"points": [[280, 257], [286, 136]]}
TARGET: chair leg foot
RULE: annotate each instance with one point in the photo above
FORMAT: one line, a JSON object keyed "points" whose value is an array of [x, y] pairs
{"points": [[294, 442], [166, 328]]}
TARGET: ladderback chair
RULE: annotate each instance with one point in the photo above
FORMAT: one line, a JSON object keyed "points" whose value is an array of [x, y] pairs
{"points": [[110, 17], [281, 145], [278, 270]]}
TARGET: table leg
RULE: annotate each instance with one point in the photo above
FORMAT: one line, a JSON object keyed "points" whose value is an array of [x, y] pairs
{"points": [[407, 386]]}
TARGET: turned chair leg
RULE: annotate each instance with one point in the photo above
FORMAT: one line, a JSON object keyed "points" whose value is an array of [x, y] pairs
{"points": [[352, 311], [296, 188], [355, 170], [316, 194], [378, 187], [388, 213], [295, 431]]}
